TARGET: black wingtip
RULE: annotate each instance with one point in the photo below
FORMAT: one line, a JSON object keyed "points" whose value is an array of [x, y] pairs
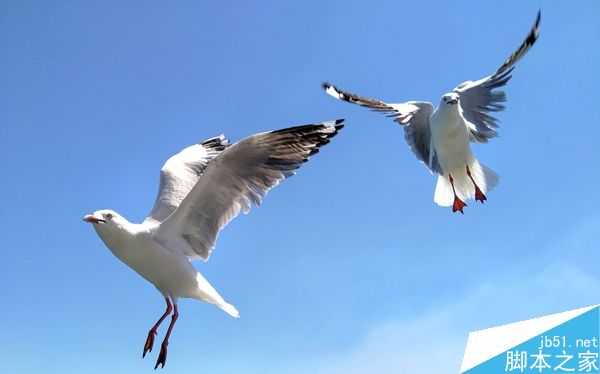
{"points": [[338, 124], [538, 20], [218, 142], [534, 34], [326, 85]]}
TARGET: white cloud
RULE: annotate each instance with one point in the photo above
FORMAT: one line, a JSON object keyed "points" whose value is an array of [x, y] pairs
{"points": [[434, 341]]}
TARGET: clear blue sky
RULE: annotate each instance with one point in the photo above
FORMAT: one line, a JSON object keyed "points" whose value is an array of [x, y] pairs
{"points": [[348, 267]]}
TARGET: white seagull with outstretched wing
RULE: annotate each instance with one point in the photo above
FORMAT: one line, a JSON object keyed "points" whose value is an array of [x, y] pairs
{"points": [[202, 188], [441, 137]]}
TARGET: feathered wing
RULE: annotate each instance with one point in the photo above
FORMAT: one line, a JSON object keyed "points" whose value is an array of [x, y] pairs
{"points": [[478, 98], [235, 180], [180, 173], [412, 115]]}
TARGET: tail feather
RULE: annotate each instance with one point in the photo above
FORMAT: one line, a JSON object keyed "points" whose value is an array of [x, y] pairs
{"points": [[485, 178], [207, 293], [443, 195]]}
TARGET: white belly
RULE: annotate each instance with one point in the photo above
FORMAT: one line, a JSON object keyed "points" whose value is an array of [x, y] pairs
{"points": [[450, 138], [172, 274]]}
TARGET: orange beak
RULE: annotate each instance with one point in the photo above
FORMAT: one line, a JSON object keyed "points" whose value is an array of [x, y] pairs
{"points": [[90, 218]]}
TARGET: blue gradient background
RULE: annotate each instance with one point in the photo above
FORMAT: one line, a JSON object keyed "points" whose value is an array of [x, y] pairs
{"points": [[347, 267]]}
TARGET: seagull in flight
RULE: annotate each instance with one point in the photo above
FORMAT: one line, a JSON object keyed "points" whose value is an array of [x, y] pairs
{"points": [[440, 137], [202, 188]]}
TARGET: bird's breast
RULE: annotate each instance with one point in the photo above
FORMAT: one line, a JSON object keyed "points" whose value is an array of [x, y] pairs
{"points": [[168, 271], [447, 126], [450, 139]]}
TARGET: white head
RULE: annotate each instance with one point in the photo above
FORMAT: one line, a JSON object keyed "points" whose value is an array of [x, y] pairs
{"points": [[450, 100], [109, 225]]}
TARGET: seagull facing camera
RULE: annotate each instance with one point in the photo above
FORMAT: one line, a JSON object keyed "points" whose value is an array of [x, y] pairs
{"points": [[202, 188], [450, 98], [440, 137]]}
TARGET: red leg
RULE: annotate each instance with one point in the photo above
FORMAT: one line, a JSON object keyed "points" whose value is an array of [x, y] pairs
{"points": [[162, 356], [479, 196], [152, 332], [458, 203]]}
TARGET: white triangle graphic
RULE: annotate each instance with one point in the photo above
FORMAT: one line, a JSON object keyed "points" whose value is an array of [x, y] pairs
{"points": [[486, 344]]}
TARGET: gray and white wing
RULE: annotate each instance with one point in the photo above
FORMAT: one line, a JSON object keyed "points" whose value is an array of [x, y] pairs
{"points": [[180, 173], [412, 115], [479, 98], [235, 180]]}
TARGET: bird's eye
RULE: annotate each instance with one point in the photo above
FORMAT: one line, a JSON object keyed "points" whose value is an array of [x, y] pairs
{"points": [[108, 216]]}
